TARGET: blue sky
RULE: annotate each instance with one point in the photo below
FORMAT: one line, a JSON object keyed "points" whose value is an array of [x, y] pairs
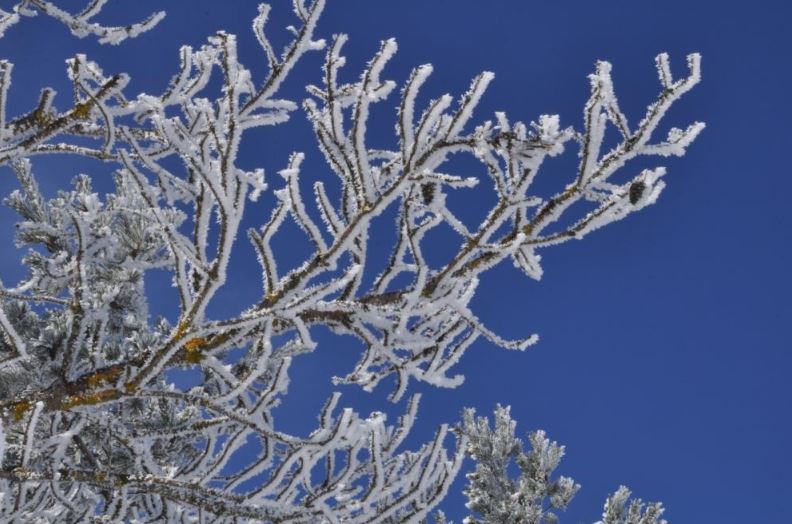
{"points": [[664, 358]]}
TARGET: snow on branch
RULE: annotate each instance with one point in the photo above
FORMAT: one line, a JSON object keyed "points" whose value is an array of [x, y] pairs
{"points": [[79, 24], [535, 496], [619, 509], [495, 497], [89, 424]]}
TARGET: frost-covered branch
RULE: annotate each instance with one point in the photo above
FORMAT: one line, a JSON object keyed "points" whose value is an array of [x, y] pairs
{"points": [[619, 509], [534, 496], [492, 494], [90, 424], [79, 24]]}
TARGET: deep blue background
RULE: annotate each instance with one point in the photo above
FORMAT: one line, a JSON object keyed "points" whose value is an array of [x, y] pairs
{"points": [[664, 355]]}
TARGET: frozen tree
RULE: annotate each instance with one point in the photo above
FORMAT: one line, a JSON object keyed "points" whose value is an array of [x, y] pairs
{"points": [[495, 498], [91, 430]]}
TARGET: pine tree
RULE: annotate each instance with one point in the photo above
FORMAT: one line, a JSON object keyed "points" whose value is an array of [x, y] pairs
{"points": [[90, 429]]}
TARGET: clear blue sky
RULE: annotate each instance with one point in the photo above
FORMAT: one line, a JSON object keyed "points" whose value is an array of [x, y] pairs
{"points": [[664, 359]]}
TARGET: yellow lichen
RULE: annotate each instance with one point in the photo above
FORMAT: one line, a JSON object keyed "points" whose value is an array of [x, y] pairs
{"points": [[43, 118], [195, 344], [103, 376], [88, 400], [82, 110], [20, 408], [181, 329], [71, 401], [193, 351]]}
